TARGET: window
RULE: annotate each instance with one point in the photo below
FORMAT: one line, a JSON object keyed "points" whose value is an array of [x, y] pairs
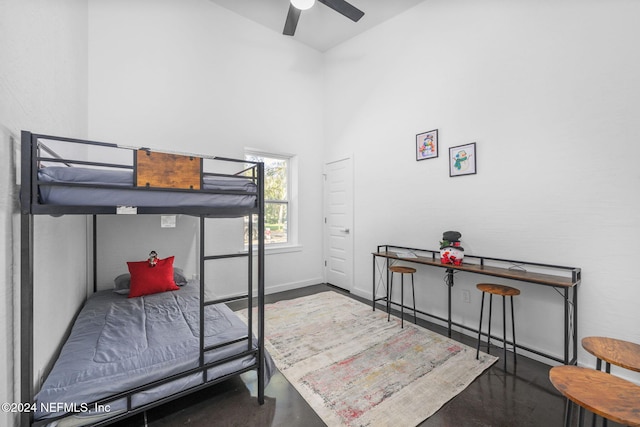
{"points": [[277, 193]]}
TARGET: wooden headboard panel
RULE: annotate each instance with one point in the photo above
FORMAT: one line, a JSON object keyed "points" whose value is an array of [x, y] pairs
{"points": [[162, 170]]}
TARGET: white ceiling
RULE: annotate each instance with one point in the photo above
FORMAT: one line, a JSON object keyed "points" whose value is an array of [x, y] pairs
{"points": [[319, 27]]}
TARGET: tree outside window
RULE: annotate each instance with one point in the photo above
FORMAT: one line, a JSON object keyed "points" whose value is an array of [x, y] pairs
{"points": [[276, 195]]}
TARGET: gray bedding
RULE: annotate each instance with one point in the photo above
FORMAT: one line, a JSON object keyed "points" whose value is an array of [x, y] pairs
{"points": [[118, 343], [127, 196]]}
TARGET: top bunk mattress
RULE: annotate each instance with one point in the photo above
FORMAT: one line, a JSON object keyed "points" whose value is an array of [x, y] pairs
{"points": [[108, 187]]}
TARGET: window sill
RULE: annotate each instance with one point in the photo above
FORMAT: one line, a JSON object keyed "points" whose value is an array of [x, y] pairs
{"points": [[272, 250]]}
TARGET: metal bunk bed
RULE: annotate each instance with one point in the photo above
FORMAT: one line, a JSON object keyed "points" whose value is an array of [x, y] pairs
{"points": [[35, 153]]}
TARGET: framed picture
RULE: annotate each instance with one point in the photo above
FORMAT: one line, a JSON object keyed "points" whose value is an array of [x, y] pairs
{"points": [[427, 145], [462, 160]]}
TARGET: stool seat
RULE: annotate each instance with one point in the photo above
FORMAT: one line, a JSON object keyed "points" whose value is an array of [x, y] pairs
{"points": [[402, 269], [603, 394], [616, 352], [502, 290]]}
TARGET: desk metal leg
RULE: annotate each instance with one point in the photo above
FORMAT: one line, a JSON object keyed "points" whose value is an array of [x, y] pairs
{"points": [[575, 324], [389, 287], [566, 326], [374, 296], [402, 300], [571, 334], [449, 285], [413, 292], [373, 285], [389, 293], [513, 334], [571, 325]]}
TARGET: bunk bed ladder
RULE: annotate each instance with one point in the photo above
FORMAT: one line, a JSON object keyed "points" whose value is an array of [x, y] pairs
{"points": [[249, 296]]}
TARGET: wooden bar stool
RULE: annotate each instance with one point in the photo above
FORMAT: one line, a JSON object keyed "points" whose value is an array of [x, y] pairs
{"points": [[603, 394], [613, 351], [402, 270], [504, 291]]}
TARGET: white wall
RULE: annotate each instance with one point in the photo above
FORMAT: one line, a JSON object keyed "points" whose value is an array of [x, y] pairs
{"points": [[192, 76], [43, 77], [549, 92]]}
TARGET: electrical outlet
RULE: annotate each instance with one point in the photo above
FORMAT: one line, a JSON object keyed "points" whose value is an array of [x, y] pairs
{"points": [[466, 296]]}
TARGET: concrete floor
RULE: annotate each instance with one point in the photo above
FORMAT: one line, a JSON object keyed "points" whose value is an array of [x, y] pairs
{"points": [[522, 396]]}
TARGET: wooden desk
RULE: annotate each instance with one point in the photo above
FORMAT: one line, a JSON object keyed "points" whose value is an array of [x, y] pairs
{"points": [[603, 394], [566, 285]]}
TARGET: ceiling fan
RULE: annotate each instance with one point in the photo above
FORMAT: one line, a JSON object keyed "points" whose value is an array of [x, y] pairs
{"points": [[296, 6]]}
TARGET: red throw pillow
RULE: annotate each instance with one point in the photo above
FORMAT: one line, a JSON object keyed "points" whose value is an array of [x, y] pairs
{"points": [[146, 280]]}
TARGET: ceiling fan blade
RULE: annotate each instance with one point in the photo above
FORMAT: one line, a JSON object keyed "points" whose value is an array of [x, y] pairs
{"points": [[344, 8], [292, 21]]}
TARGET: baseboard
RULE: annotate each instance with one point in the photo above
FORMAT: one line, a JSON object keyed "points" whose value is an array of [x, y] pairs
{"points": [[274, 289], [292, 285]]}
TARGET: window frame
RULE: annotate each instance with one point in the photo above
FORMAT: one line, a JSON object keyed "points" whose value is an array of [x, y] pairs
{"points": [[290, 201]]}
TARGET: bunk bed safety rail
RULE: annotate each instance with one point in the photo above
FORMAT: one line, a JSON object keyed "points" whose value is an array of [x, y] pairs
{"points": [[65, 171]]}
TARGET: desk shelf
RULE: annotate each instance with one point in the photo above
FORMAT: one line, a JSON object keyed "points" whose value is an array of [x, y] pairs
{"points": [[506, 273]]}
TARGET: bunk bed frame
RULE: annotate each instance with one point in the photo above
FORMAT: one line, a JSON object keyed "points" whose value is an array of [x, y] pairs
{"points": [[33, 153]]}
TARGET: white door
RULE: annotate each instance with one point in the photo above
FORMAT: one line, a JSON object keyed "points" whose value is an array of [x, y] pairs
{"points": [[338, 223]]}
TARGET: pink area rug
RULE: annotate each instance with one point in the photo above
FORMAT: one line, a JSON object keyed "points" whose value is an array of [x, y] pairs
{"points": [[356, 369]]}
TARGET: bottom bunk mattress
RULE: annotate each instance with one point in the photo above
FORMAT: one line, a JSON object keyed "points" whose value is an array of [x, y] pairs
{"points": [[119, 343]]}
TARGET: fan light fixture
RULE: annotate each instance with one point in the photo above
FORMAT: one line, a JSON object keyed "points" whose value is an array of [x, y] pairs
{"points": [[303, 4], [296, 8]]}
